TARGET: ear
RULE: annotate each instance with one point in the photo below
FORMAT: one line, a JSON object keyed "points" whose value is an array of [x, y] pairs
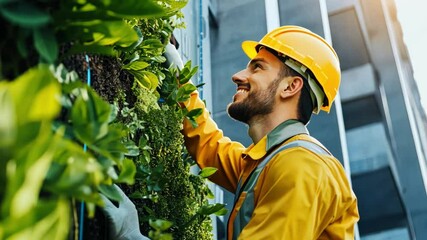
{"points": [[291, 86]]}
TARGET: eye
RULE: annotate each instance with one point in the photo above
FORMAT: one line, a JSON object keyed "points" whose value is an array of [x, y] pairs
{"points": [[257, 66]]}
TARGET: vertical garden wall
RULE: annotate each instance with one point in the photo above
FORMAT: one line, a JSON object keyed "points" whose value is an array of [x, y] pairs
{"points": [[87, 101]]}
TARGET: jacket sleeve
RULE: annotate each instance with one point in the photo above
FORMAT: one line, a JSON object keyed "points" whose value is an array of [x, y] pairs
{"points": [[300, 199], [208, 146]]}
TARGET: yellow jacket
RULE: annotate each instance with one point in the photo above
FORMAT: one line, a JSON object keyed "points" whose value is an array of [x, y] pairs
{"points": [[299, 195]]}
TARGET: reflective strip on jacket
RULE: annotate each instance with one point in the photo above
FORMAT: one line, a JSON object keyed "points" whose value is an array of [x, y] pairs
{"points": [[299, 194]]}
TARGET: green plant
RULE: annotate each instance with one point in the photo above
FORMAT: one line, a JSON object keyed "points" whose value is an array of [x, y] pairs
{"points": [[43, 160], [37, 29], [28, 146], [165, 188], [62, 142]]}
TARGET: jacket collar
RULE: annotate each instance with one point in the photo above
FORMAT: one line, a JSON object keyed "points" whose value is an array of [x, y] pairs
{"points": [[278, 135]]}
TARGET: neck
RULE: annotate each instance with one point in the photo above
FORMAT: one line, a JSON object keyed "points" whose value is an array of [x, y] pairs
{"points": [[260, 126]]}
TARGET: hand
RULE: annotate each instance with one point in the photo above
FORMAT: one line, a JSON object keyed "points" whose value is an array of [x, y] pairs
{"points": [[124, 224], [173, 57]]}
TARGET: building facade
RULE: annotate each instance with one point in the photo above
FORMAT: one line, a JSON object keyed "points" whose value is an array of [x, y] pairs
{"points": [[377, 127]]}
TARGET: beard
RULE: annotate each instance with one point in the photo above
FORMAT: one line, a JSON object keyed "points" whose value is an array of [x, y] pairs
{"points": [[257, 103]]}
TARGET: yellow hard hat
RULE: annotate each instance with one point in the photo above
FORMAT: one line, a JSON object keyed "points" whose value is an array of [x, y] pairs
{"points": [[309, 49]]}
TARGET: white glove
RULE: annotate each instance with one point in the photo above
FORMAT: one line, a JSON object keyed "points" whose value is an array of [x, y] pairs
{"points": [[173, 57], [124, 224]]}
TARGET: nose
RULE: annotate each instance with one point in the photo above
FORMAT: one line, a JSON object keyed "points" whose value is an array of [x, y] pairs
{"points": [[239, 77]]}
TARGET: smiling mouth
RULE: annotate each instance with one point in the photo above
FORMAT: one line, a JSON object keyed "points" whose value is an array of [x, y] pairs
{"points": [[240, 94], [242, 90]]}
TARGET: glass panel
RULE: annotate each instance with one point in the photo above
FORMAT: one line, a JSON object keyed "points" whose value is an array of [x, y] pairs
{"points": [[368, 148]]}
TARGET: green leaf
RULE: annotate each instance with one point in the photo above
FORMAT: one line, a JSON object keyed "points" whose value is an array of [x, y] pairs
{"points": [[185, 70], [159, 59], [56, 169], [55, 225], [90, 115], [193, 114], [200, 85], [152, 44], [138, 195], [127, 172], [36, 92], [135, 44], [46, 44], [25, 14], [221, 212], [161, 225], [133, 8], [79, 14], [175, 5], [25, 181], [184, 92], [185, 76], [211, 209], [161, 75], [165, 236], [111, 145], [143, 144], [114, 112], [130, 57], [8, 128], [146, 79], [143, 84], [209, 193], [136, 65], [111, 192], [114, 32], [46, 220], [193, 122], [101, 33], [74, 172], [132, 149], [207, 172], [152, 78], [91, 209]]}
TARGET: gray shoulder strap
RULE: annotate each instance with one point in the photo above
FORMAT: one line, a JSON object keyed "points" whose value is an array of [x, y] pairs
{"points": [[311, 146], [253, 177]]}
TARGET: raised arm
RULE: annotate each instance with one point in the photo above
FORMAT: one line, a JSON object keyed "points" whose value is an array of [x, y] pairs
{"points": [[208, 146]]}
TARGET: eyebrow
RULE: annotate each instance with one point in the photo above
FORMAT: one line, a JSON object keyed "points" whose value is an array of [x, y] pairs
{"points": [[256, 60]]}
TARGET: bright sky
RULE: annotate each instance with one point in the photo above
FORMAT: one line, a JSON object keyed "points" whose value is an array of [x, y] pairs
{"points": [[413, 18]]}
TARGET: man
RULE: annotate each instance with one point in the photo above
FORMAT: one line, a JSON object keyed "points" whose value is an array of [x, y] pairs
{"points": [[286, 184], [301, 191]]}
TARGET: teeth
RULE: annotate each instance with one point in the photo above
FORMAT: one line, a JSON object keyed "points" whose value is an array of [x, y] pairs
{"points": [[242, 91]]}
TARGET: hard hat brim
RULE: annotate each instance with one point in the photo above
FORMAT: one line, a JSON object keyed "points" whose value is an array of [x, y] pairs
{"points": [[249, 48]]}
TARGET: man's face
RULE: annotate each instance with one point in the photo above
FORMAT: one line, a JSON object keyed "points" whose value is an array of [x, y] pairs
{"points": [[256, 87]]}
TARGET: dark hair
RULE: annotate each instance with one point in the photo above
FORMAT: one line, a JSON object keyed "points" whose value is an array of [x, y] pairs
{"points": [[305, 104]]}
